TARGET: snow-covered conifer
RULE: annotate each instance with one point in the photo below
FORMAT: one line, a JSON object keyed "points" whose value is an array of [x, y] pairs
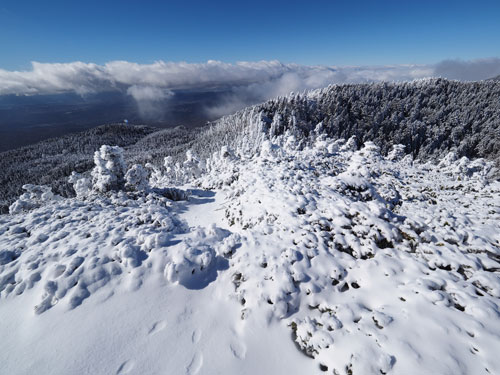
{"points": [[192, 167], [109, 171], [169, 165], [351, 144]]}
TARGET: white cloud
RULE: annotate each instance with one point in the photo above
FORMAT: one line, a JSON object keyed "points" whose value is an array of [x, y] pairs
{"points": [[150, 100], [299, 78], [247, 82], [78, 77], [87, 77]]}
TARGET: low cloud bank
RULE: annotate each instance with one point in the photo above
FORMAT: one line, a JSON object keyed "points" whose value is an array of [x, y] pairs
{"points": [[84, 78], [150, 100], [151, 85], [473, 70]]}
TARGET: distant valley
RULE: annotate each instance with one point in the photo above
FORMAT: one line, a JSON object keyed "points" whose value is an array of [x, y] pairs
{"points": [[25, 120]]}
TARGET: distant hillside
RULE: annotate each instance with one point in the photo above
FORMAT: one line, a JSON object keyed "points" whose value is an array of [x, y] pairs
{"points": [[429, 117], [51, 161], [25, 120]]}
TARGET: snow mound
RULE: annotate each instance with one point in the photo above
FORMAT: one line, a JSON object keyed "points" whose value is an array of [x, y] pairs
{"points": [[194, 263], [68, 249]]}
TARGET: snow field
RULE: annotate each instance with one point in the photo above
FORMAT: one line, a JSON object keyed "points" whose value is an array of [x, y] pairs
{"points": [[370, 264]]}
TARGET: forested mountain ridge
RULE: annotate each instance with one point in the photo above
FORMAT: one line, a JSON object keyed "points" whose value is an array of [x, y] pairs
{"points": [[430, 117]]}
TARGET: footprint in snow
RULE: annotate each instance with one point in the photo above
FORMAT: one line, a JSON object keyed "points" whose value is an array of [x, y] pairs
{"points": [[238, 349], [196, 336], [195, 365], [157, 327], [125, 367]]}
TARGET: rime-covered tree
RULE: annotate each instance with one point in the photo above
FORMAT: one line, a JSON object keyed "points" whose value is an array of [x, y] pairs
{"points": [[109, 171]]}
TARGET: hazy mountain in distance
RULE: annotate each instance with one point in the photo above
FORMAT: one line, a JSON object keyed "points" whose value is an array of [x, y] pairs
{"points": [[25, 120]]}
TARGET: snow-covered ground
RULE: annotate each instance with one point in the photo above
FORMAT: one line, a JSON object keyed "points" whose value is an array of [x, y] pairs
{"points": [[288, 260]]}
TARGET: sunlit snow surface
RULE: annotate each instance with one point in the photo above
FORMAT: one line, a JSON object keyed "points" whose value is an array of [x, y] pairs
{"points": [[293, 261]]}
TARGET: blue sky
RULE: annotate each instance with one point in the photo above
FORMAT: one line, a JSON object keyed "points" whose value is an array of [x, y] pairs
{"points": [[316, 32]]}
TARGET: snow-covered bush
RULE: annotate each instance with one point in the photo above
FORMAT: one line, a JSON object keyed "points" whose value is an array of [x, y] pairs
{"points": [[109, 171], [268, 149], [34, 197], [448, 160], [464, 168], [81, 185], [397, 153], [291, 143], [175, 173], [193, 166], [364, 162], [221, 169], [136, 178], [321, 144], [351, 144], [334, 146]]}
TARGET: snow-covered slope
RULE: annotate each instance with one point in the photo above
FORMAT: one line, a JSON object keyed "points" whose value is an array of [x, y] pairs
{"points": [[290, 258], [430, 117]]}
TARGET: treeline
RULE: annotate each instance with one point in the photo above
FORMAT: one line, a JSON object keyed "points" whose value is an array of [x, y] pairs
{"points": [[430, 117]]}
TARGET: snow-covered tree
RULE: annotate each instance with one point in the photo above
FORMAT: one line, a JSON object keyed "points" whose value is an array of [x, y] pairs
{"points": [[81, 185], [34, 196], [109, 171], [192, 166], [397, 153], [136, 178]]}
